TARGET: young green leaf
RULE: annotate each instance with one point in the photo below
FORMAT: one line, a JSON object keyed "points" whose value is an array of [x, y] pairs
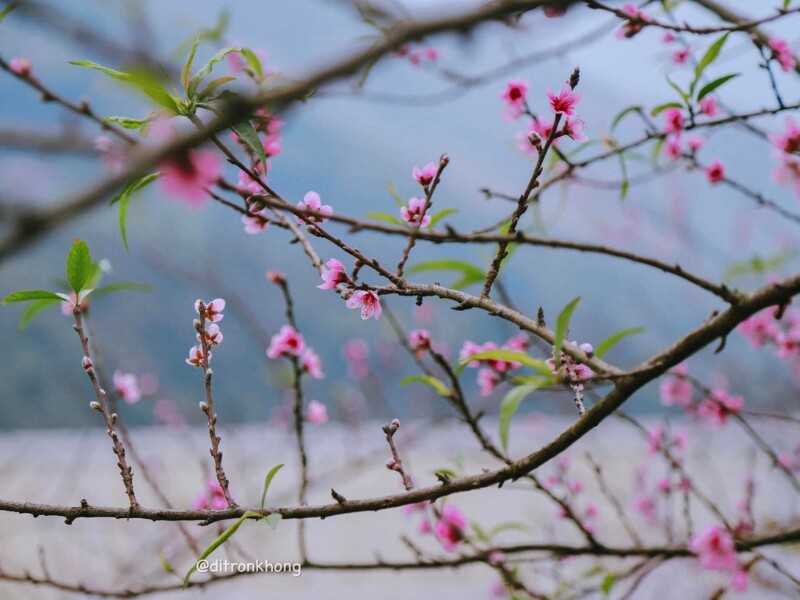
{"points": [[436, 384], [248, 134], [623, 114], [79, 265], [662, 107], [213, 85], [34, 308], [398, 199], [253, 62], [187, 68], [122, 286], [27, 295], [126, 122], [608, 583], [224, 537], [385, 217], [272, 520], [7, 9], [267, 481], [709, 57], [441, 215], [470, 273], [612, 340], [562, 325], [205, 70], [508, 408], [124, 199], [510, 356], [711, 86]]}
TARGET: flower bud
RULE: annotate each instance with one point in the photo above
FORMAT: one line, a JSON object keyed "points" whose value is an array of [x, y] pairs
{"points": [[94, 405], [87, 363]]}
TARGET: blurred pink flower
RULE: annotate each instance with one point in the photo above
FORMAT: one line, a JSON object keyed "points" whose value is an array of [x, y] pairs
{"points": [[189, 175], [288, 341], [127, 386], [317, 412], [714, 546]]}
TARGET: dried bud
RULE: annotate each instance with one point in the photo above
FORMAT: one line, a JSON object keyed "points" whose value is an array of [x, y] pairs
{"points": [[575, 78]]}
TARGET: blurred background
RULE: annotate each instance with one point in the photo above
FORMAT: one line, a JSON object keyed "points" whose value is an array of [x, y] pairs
{"points": [[347, 144]]}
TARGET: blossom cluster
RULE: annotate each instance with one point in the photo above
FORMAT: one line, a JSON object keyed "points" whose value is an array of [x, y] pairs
{"points": [[715, 407], [492, 371], [289, 342], [209, 335], [569, 488], [448, 525], [365, 300], [674, 141]]}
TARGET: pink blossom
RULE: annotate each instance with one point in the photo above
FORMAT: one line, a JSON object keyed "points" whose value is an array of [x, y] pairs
{"points": [[564, 103], [333, 276], [288, 341], [20, 66], [488, 380], [367, 301], [515, 93], [355, 352], [189, 175], [631, 27], [663, 485], [694, 143], [431, 53], [715, 171], [668, 37], [414, 213], [570, 369], [425, 176], [760, 328], [311, 363], [679, 57], [127, 386], [739, 581], [788, 173], [213, 498], [317, 412], [254, 224], [112, 154], [714, 546], [213, 310], [672, 148], [573, 128], [782, 52], [645, 506], [66, 307], [449, 529], [196, 357], [655, 438], [676, 389], [717, 407], [419, 340], [673, 120], [247, 184], [312, 202], [709, 106], [788, 140]]}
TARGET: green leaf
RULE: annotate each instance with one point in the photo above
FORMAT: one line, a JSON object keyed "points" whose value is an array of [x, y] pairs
{"points": [[786, 4], [441, 215], [398, 199], [267, 481], [611, 340], [385, 217], [205, 70], [435, 383], [87, 64], [224, 537], [662, 107], [470, 273], [272, 520], [145, 81], [253, 62], [124, 199], [79, 265], [681, 93], [562, 325], [479, 532], [25, 296], [624, 186], [709, 57], [608, 583], [623, 114], [710, 87], [7, 9], [213, 85], [248, 134], [34, 308], [510, 526], [510, 356], [757, 265], [122, 286], [508, 408], [187, 68], [126, 123]]}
